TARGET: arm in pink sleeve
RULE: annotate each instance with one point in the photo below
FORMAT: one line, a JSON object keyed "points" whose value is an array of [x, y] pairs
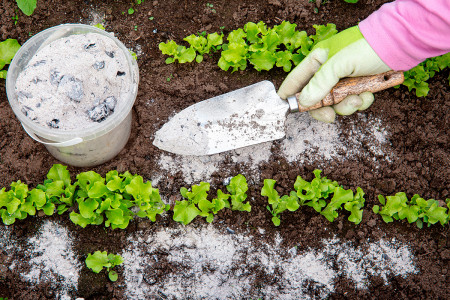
{"points": [[405, 32]]}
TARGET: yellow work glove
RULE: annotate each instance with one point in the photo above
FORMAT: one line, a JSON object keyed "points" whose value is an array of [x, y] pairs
{"points": [[346, 54]]}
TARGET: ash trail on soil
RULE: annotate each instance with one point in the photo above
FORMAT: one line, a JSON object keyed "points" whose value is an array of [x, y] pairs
{"points": [[416, 129]]}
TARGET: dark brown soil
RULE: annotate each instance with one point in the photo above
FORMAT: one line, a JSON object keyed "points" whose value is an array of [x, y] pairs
{"points": [[418, 126]]}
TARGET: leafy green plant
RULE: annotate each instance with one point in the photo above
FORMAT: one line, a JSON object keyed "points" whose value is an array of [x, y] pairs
{"points": [[315, 195], [180, 53], [195, 202], [99, 260], [185, 211], [211, 7], [199, 45], [282, 46], [351, 1], [237, 188], [8, 49], [27, 6], [133, 54], [110, 199], [210, 208], [100, 26], [131, 10], [114, 200], [417, 77], [15, 18], [19, 201], [416, 210], [58, 190], [278, 204], [203, 45]]}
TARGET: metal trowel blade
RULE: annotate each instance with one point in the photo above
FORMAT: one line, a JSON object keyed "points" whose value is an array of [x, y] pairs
{"points": [[248, 116]]}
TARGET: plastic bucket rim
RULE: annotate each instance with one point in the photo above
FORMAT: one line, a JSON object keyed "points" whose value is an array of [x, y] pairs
{"points": [[96, 129]]}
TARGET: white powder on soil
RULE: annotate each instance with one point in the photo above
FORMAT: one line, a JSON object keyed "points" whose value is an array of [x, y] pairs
{"points": [[73, 82], [219, 265], [52, 260], [304, 135], [6, 242], [197, 168], [306, 141]]}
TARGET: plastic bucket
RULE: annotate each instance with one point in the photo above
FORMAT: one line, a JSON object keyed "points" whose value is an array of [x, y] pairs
{"points": [[90, 146]]}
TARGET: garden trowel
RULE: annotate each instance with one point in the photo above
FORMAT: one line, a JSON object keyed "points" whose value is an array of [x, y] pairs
{"points": [[250, 115]]}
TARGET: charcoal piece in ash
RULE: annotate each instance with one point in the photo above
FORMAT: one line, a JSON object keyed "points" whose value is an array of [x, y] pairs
{"points": [[40, 63], [111, 103], [71, 87], [119, 73], [100, 112], [21, 95], [36, 80], [53, 123], [26, 109], [55, 77], [90, 46], [110, 53], [99, 65]]}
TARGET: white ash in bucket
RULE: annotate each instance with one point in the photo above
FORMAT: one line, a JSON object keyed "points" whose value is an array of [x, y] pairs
{"points": [[73, 82]]}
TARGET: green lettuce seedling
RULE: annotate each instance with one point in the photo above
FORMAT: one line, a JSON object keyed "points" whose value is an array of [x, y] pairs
{"points": [[315, 192], [340, 197], [195, 202], [315, 195], [8, 49], [355, 206], [204, 45], [210, 208], [417, 77], [180, 53], [19, 201], [99, 260], [278, 205], [185, 211], [15, 204], [110, 199], [237, 188], [417, 210], [27, 6], [282, 46], [58, 190]]}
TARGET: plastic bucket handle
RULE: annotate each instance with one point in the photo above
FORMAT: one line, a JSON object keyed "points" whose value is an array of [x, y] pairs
{"points": [[68, 143]]}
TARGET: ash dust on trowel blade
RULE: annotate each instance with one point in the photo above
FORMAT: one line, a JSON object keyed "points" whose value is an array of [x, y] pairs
{"points": [[307, 141], [244, 117]]}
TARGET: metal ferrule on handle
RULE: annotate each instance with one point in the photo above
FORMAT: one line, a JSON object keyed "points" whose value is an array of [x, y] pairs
{"points": [[351, 86], [293, 103]]}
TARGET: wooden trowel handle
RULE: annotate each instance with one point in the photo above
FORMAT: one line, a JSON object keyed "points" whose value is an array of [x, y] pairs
{"points": [[356, 86]]}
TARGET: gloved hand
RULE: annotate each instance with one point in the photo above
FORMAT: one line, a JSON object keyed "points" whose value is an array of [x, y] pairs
{"points": [[346, 54]]}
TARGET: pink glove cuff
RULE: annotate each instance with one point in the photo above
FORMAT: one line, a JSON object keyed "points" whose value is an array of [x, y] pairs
{"points": [[405, 32]]}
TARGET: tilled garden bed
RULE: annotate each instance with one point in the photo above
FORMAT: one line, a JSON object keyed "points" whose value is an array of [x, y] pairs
{"points": [[400, 144]]}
